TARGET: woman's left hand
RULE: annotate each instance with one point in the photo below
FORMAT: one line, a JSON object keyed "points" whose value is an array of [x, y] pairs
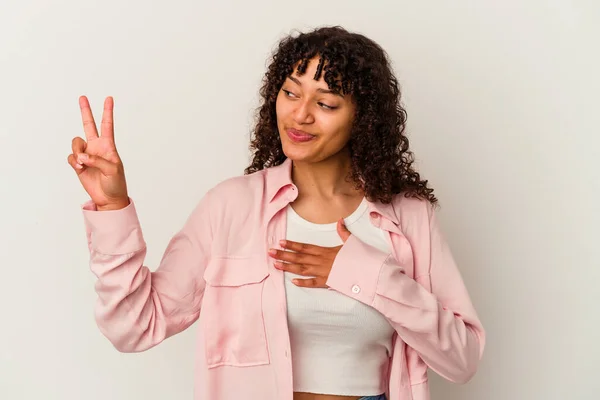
{"points": [[308, 259]]}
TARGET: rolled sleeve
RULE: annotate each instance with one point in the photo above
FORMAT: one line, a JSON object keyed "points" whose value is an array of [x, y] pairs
{"points": [[356, 269], [113, 232]]}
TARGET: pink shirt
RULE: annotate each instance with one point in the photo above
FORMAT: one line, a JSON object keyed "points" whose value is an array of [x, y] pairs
{"points": [[216, 271]]}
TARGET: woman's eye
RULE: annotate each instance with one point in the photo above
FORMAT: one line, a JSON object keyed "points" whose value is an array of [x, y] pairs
{"points": [[322, 105], [325, 106]]}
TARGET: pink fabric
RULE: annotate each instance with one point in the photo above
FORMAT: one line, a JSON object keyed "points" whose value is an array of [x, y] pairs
{"points": [[216, 271]]}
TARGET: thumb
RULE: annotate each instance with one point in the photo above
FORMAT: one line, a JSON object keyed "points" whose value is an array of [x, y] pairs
{"points": [[106, 167], [342, 230]]}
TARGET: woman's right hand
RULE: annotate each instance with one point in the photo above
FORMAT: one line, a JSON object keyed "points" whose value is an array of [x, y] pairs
{"points": [[96, 161]]}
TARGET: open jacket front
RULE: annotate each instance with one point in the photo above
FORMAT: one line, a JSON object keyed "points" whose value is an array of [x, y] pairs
{"points": [[216, 270]]}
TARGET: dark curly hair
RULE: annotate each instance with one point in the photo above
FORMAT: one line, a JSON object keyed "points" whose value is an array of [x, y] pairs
{"points": [[352, 64]]}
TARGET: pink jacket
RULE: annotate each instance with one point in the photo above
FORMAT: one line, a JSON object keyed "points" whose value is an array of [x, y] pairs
{"points": [[216, 270]]}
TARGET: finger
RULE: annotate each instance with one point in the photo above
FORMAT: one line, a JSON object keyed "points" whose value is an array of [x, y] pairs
{"points": [[78, 145], [106, 167], [107, 127], [298, 269], [89, 125], [301, 247], [342, 230], [298, 258], [73, 163], [308, 283]]}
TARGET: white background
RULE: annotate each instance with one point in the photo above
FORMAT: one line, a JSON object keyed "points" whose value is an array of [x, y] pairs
{"points": [[502, 101]]}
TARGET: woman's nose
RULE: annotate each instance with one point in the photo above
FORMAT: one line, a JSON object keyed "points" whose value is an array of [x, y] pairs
{"points": [[303, 114]]}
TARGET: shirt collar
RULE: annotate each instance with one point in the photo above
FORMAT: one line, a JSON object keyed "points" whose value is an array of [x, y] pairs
{"points": [[280, 177]]}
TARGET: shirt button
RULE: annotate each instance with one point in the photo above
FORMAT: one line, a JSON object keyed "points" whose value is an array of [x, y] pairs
{"points": [[355, 289]]}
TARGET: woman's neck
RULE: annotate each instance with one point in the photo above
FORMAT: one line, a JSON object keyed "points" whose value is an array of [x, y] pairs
{"points": [[325, 180]]}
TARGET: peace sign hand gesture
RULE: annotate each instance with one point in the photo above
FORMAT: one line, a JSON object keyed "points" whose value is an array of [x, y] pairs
{"points": [[96, 161]]}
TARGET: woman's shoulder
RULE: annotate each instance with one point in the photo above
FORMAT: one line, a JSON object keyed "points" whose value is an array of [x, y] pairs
{"points": [[412, 210], [238, 187], [413, 204]]}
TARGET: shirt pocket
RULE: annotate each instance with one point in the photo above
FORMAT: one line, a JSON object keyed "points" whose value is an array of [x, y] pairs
{"points": [[233, 302]]}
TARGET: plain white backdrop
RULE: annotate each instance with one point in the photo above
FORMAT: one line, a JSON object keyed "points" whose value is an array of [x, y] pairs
{"points": [[502, 104]]}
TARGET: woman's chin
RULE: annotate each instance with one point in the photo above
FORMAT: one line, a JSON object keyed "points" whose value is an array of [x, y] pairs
{"points": [[297, 156], [298, 153]]}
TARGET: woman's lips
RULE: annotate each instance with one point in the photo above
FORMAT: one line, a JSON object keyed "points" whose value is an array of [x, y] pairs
{"points": [[299, 136]]}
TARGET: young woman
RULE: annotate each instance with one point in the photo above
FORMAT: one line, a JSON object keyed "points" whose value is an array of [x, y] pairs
{"points": [[321, 272]]}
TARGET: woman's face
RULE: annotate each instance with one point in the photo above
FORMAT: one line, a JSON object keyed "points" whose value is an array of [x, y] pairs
{"points": [[314, 123]]}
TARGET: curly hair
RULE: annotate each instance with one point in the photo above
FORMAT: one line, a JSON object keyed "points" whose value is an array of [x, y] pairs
{"points": [[381, 162]]}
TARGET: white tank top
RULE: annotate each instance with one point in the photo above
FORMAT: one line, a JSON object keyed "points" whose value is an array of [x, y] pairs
{"points": [[339, 345]]}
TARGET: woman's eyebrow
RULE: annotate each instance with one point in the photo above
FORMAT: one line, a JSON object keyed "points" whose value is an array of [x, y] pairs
{"points": [[321, 90]]}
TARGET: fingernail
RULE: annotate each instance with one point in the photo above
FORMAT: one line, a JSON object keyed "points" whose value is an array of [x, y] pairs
{"points": [[282, 242], [272, 252], [82, 158]]}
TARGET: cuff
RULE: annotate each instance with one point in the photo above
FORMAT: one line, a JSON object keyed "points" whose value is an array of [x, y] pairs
{"points": [[113, 232], [356, 269]]}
